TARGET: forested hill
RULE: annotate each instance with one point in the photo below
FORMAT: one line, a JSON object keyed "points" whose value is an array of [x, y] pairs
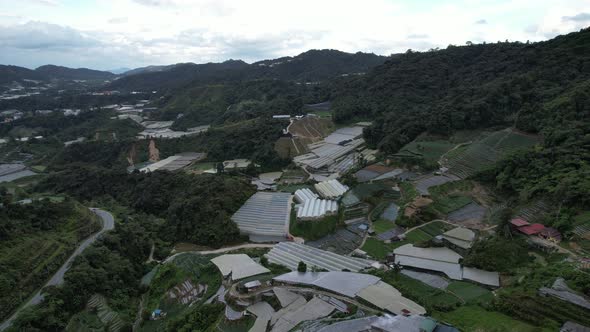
{"points": [[537, 87], [59, 72], [311, 66], [9, 74], [464, 87]]}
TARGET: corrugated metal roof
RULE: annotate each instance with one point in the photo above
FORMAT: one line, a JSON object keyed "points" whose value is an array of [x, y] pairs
{"points": [[290, 254], [481, 276], [344, 283], [331, 189], [240, 266], [460, 236], [388, 298], [302, 195], [317, 208], [434, 254], [264, 214]]}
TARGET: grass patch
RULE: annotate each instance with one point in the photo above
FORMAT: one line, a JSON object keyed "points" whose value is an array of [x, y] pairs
{"points": [[469, 292], [203, 166], [382, 226], [451, 203], [376, 249], [430, 151], [244, 324], [475, 318], [417, 236], [314, 229]]}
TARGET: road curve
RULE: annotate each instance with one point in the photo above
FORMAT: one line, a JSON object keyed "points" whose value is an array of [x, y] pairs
{"points": [[108, 223]]}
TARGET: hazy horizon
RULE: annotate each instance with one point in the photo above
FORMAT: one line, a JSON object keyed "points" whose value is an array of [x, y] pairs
{"points": [[111, 34]]}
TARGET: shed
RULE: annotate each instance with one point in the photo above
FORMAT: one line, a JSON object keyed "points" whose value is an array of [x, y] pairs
{"points": [[551, 234], [531, 229], [519, 222]]}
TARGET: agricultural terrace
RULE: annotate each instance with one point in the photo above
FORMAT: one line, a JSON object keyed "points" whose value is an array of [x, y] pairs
{"points": [[479, 155]]}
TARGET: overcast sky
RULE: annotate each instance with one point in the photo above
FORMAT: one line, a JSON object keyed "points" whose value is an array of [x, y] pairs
{"points": [[109, 34]]}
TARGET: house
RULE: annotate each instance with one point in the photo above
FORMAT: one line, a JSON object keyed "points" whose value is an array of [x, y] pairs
{"points": [[518, 222], [532, 229], [551, 234], [252, 286]]}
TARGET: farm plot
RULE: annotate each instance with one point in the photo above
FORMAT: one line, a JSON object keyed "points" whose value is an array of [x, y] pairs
{"points": [[423, 184], [342, 242], [430, 151], [470, 293], [431, 280], [470, 216], [470, 159]]}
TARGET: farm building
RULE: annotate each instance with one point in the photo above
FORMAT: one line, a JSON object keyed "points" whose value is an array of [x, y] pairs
{"points": [[442, 260], [290, 254], [174, 163], [375, 171], [305, 194], [238, 266], [551, 234], [311, 207], [532, 229], [265, 216], [367, 287], [331, 189], [460, 237], [236, 164], [316, 209], [323, 154], [436, 259], [388, 323]]}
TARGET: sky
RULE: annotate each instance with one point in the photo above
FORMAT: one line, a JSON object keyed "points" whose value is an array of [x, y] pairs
{"points": [[110, 34]]}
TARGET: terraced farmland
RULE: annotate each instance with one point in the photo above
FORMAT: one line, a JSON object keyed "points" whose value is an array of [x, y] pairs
{"points": [[469, 159]]}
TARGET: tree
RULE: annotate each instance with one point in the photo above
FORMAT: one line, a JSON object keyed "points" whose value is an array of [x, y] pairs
{"points": [[302, 267]]}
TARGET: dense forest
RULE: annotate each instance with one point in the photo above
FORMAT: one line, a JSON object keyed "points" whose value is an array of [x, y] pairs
{"points": [[536, 87], [311, 66], [197, 209]]}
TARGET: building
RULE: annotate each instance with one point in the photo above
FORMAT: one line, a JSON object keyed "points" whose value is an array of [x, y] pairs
{"points": [[367, 287], [331, 189], [236, 164], [459, 237], [531, 229], [238, 266], [314, 209], [305, 194], [551, 234], [289, 254], [443, 260], [265, 216]]}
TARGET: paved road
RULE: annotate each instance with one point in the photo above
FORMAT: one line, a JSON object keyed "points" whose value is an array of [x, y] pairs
{"points": [[108, 223]]}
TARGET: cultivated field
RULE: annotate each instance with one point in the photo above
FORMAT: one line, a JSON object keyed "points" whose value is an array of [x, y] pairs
{"points": [[469, 159]]}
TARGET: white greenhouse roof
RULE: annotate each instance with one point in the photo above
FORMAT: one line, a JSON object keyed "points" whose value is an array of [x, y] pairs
{"points": [[434, 254], [460, 236], [289, 254], [264, 215], [388, 298], [240, 266], [436, 259], [344, 283], [331, 189], [481, 276], [316, 208], [302, 195]]}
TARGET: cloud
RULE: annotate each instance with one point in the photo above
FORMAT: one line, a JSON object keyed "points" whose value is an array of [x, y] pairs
{"points": [[155, 3], [118, 20], [46, 2], [42, 36], [581, 17], [417, 36], [482, 21]]}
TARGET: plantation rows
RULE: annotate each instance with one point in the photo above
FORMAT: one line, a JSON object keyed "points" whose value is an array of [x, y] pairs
{"points": [[482, 154], [107, 316]]}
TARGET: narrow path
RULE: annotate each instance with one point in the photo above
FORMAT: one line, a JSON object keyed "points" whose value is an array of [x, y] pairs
{"points": [[108, 223], [139, 317]]}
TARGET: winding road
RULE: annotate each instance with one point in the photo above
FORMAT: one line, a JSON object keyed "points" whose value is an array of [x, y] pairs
{"points": [[108, 223]]}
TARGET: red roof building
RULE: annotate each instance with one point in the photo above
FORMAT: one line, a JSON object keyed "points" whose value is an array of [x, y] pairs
{"points": [[519, 222], [531, 229]]}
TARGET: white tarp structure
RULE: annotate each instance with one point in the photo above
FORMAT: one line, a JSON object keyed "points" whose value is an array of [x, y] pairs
{"points": [[331, 189], [305, 194], [365, 286], [316, 208], [265, 216], [239, 266], [436, 259], [289, 254], [443, 260], [460, 236], [174, 163]]}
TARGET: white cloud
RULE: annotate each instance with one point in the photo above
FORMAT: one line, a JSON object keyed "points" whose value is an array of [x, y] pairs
{"points": [[139, 32]]}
